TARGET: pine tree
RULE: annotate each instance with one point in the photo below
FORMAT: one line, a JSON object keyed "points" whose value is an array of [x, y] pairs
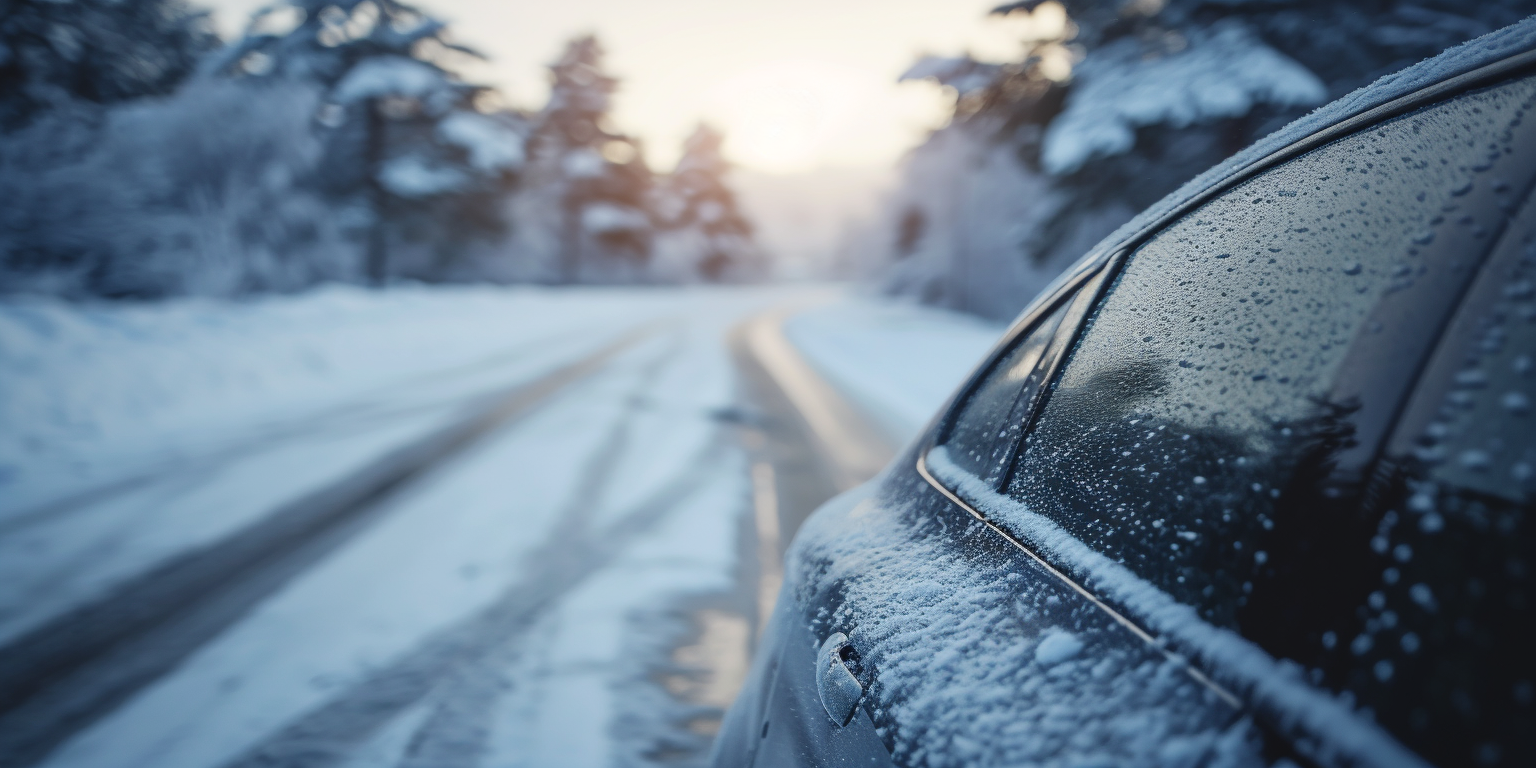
{"points": [[94, 52], [707, 233], [589, 183], [1035, 167], [404, 137]]}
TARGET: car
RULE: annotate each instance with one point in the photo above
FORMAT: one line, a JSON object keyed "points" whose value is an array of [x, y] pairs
{"points": [[1251, 484]]}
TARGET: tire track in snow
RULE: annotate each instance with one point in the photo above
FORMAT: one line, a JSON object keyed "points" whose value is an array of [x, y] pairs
{"points": [[60, 677], [459, 672], [348, 417]]}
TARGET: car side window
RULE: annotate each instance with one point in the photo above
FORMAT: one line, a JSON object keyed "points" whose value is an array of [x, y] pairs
{"points": [[1439, 641], [987, 424], [1198, 409]]}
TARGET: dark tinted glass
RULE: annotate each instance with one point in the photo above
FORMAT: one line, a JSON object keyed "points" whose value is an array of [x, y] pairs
{"points": [[1196, 406], [1441, 638]]}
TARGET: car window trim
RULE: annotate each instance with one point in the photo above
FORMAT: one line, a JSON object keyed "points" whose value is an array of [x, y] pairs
{"points": [[1136, 629], [1039, 309]]}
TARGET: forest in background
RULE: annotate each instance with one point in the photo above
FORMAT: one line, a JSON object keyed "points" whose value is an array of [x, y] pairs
{"points": [[334, 141], [1113, 106]]}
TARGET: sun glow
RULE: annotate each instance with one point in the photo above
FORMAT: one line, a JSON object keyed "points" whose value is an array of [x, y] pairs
{"points": [[788, 116]]}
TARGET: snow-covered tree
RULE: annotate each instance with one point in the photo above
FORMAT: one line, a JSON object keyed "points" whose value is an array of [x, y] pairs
{"points": [[1115, 107], [405, 139], [704, 234], [328, 143], [584, 206], [202, 192], [54, 55]]}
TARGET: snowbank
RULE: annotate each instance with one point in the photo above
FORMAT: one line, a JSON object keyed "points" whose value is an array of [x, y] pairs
{"points": [[898, 361]]}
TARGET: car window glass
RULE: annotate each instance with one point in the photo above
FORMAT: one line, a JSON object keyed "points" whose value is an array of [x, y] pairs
{"points": [[1196, 404], [978, 438], [1439, 643]]}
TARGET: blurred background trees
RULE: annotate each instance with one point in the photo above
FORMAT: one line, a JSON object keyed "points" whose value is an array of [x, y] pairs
{"points": [[56, 56], [334, 140], [337, 140], [1111, 105]]}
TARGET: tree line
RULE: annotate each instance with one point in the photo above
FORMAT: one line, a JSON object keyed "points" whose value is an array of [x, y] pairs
{"points": [[1113, 107], [334, 140]]}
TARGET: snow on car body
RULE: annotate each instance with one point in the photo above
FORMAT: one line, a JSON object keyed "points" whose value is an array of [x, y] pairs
{"points": [[1251, 483]]}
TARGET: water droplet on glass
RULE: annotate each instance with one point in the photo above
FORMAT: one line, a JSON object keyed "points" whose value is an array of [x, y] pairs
{"points": [[1361, 645], [1383, 670], [1515, 402], [1422, 595], [1353, 269], [1432, 523], [1475, 459], [1472, 377]]}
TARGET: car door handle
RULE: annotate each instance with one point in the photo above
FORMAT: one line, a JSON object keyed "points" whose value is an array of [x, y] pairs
{"points": [[840, 690]]}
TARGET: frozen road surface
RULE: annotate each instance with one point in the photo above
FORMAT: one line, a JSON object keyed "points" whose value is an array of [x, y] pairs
{"points": [[446, 527]]}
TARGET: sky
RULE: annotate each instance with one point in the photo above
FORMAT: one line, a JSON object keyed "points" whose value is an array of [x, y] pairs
{"points": [[796, 85]]}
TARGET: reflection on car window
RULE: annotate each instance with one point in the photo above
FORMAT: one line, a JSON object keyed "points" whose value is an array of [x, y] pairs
{"points": [[984, 430], [1439, 644], [1189, 432]]}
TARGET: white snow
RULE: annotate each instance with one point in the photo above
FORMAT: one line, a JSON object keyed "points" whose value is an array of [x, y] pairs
{"points": [[603, 218], [413, 176], [1118, 89], [617, 503], [896, 360], [127, 424], [92, 393], [957, 637], [1057, 646], [492, 146], [388, 76]]}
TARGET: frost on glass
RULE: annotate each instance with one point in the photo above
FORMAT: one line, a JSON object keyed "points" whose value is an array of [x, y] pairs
{"points": [[1194, 416]]}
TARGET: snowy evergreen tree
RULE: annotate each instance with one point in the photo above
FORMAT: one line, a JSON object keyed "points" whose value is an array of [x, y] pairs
{"points": [[1129, 99], [327, 144], [704, 233], [54, 55], [405, 141], [586, 189]]}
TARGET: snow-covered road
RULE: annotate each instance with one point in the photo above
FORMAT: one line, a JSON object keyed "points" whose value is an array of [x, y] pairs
{"points": [[431, 528]]}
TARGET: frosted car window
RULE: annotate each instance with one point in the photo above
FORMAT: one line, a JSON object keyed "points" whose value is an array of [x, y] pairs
{"points": [[1196, 404], [1439, 641]]}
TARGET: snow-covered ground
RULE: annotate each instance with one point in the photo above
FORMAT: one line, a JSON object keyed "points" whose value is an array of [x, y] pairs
{"points": [[897, 361], [566, 591]]}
